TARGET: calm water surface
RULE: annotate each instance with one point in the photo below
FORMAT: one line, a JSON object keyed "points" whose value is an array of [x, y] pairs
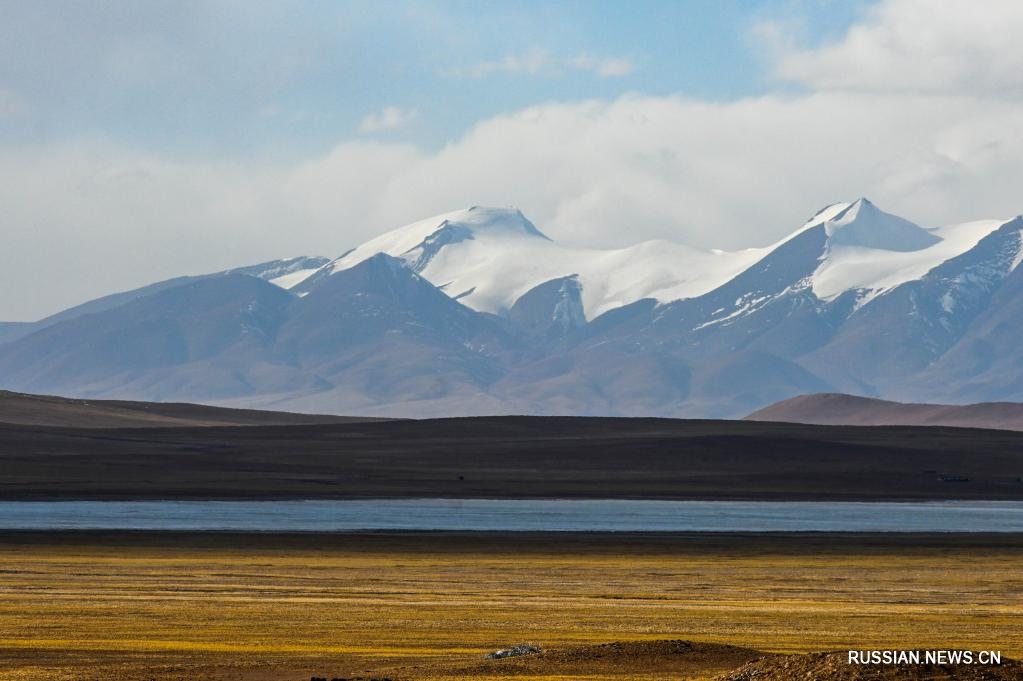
{"points": [[552, 515]]}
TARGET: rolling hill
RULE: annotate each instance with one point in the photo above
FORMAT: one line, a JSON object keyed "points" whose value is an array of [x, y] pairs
{"points": [[850, 410], [49, 410]]}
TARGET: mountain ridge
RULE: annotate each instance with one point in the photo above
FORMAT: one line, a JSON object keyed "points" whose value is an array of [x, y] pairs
{"points": [[478, 312]]}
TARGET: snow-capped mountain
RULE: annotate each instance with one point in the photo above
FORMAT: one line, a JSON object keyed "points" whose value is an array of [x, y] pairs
{"points": [[477, 311], [488, 258]]}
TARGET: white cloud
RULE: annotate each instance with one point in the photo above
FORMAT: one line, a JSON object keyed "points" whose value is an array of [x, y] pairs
{"points": [[390, 118], [915, 46], [531, 62], [724, 174], [540, 61], [602, 66]]}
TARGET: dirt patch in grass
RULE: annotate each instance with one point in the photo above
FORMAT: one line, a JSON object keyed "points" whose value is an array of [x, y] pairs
{"points": [[675, 658]]}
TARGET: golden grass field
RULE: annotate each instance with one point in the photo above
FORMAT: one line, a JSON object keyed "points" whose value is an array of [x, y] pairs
{"points": [[151, 606]]}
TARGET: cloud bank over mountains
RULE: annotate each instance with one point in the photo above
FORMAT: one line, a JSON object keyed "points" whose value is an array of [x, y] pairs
{"points": [[914, 46], [919, 109]]}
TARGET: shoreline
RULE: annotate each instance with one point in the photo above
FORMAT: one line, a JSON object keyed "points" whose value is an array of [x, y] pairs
{"points": [[271, 497], [477, 540]]}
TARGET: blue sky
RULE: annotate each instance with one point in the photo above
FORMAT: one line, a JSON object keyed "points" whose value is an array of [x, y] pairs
{"points": [[145, 140], [287, 78]]}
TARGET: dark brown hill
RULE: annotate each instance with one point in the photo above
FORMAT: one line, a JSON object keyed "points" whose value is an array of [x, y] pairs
{"points": [[49, 410], [513, 457], [849, 410]]}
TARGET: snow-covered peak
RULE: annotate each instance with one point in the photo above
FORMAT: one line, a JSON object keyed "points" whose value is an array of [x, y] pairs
{"points": [[496, 221], [864, 225], [819, 218], [826, 213], [468, 223], [873, 252], [487, 258]]}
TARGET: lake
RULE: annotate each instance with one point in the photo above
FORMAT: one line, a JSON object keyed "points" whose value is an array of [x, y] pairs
{"points": [[546, 515]]}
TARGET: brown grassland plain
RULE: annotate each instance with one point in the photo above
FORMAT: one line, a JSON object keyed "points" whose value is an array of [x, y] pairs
{"points": [[224, 606]]}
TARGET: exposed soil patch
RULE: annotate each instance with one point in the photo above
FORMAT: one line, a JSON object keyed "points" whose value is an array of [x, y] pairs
{"points": [[682, 659]]}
